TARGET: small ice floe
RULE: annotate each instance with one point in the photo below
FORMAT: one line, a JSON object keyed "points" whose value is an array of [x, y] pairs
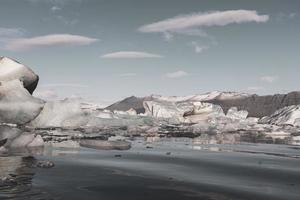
{"points": [[44, 164], [15, 140], [105, 145]]}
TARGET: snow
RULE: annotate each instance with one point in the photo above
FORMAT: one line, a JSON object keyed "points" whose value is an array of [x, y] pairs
{"points": [[202, 97]]}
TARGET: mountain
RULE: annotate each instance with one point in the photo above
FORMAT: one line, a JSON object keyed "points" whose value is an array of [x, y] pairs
{"points": [[130, 102], [257, 106]]}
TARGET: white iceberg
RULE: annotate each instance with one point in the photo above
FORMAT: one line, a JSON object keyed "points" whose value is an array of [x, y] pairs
{"points": [[234, 113], [62, 113], [11, 70], [17, 106]]}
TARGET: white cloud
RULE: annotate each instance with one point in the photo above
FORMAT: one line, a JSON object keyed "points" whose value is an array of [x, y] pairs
{"points": [[131, 54], [127, 74], [55, 8], [269, 79], [48, 40], [177, 74], [195, 21], [199, 48]]}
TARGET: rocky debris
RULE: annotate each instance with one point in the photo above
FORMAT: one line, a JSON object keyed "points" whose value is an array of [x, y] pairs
{"points": [[7, 181], [13, 70]]}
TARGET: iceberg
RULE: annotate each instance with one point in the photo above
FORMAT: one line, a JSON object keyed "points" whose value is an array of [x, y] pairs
{"points": [[11, 70], [61, 113], [234, 113], [14, 138], [289, 115], [17, 106]]}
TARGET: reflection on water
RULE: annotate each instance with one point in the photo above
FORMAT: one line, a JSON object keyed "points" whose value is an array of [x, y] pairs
{"points": [[16, 175]]}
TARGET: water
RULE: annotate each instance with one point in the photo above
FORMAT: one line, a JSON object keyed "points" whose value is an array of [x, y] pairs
{"points": [[164, 169]]}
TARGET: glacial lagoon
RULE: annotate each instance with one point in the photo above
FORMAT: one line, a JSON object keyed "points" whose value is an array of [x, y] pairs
{"points": [[154, 168]]}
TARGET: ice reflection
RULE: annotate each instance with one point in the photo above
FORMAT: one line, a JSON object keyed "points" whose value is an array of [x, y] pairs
{"points": [[16, 177]]}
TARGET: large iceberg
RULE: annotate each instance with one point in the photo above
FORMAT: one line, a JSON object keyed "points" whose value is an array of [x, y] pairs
{"points": [[11, 70], [188, 112], [61, 113], [17, 106]]}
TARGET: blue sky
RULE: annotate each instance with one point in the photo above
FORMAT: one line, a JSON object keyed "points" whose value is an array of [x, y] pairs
{"points": [[105, 50]]}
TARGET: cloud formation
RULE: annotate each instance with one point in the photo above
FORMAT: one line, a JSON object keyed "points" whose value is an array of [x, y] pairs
{"points": [[269, 79], [20, 44], [206, 19], [198, 48], [131, 55], [177, 74], [55, 8]]}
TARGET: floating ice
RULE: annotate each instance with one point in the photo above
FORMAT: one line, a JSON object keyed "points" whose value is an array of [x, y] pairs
{"points": [[106, 145]]}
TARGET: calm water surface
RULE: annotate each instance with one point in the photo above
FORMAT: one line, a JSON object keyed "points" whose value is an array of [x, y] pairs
{"points": [[168, 169]]}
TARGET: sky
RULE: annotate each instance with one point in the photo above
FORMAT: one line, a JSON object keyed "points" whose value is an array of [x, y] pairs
{"points": [[105, 50]]}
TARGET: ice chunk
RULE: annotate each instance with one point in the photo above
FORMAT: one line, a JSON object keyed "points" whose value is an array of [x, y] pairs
{"points": [[11, 70], [63, 113], [163, 109], [189, 112], [204, 112], [17, 106], [14, 138], [234, 113]]}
